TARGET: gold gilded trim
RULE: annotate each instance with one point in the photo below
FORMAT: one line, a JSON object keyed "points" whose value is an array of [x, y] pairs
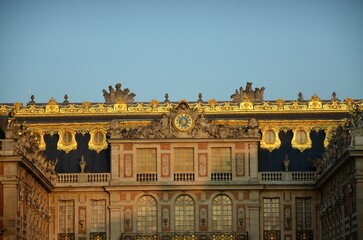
{"points": [[270, 142], [315, 103], [52, 106], [97, 140], [301, 139], [67, 140], [212, 106], [40, 137]]}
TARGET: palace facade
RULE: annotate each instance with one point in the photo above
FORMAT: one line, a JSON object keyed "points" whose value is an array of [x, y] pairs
{"points": [[240, 169]]}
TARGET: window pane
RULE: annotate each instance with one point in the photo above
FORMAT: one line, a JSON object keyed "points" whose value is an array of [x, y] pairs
{"points": [[184, 159], [222, 213], [221, 159], [146, 215], [98, 215], [66, 216], [184, 214], [303, 214], [146, 159], [271, 213]]}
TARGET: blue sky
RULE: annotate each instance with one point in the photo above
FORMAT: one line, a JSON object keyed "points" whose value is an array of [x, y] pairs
{"points": [[52, 48]]}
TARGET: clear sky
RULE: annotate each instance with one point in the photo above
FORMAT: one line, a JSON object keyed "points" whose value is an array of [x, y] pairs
{"points": [[185, 47]]}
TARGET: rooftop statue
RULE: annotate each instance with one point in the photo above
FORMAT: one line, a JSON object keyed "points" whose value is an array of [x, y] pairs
{"points": [[248, 93], [113, 95]]}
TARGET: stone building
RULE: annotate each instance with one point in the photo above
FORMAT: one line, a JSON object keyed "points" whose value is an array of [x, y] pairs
{"points": [[241, 169]]}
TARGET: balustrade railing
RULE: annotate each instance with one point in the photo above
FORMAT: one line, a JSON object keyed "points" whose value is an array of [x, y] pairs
{"points": [[186, 177], [68, 178], [221, 176], [303, 176], [146, 177], [186, 236], [292, 177]]}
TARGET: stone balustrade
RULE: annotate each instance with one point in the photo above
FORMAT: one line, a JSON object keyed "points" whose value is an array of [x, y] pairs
{"points": [[221, 176], [287, 177], [102, 179], [184, 176], [98, 179], [146, 177]]}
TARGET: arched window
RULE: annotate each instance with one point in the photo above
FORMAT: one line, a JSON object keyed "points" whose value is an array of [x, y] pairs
{"points": [[184, 214], [222, 214], [146, 215]]}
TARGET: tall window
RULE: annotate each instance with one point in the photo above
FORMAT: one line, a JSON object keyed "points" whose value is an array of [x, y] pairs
{"points": [[146, 215], [221, 159], [184, 159], [98, 215], [222, 213], [303, 214], [66, 216], [184, 214], [146, 160], [271, 214]]}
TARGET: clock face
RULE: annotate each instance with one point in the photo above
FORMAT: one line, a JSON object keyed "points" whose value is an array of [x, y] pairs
{"points": [[183, 122]]}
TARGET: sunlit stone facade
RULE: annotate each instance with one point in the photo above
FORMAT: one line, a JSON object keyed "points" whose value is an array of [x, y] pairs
{"points": [[241, 169]]}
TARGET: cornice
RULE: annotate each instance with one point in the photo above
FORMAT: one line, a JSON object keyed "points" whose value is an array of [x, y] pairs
{"points": [[52, 108]]}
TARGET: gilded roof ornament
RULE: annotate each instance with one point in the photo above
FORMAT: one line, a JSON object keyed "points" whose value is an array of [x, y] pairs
{"points": [[113, 95], [248, 93]]}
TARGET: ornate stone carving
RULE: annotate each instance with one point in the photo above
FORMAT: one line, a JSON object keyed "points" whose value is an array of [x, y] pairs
{"points": [[27, 146], [202, 165], [165, 165], [240, 164], [248, 93], [128, 165], [113, 95], [184, 122]]}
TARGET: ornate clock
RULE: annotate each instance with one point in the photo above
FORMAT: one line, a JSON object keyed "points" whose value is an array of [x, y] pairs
{"points": [[183, 122]]}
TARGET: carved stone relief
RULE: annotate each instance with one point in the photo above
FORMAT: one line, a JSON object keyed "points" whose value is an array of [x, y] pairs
{"points": [[240, 164], [165, 165], [203, 165], [128, 165], [184, 122]]}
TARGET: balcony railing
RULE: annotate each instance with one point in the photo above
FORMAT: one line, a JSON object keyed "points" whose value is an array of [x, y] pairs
{"points": [[146, 177], [287, 177], [184, 177], [83, 178], [221, 176], [186, 236]]}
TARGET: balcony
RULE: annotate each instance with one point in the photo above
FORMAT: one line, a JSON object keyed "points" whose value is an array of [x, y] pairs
{"points": [[221, 176], [82, 179], [146, 177], [287, 177], [184, 177]]}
